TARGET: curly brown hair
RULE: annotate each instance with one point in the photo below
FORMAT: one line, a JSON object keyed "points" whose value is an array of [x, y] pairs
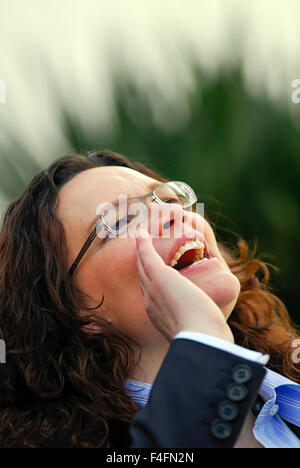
{"points": [[61, 386]]}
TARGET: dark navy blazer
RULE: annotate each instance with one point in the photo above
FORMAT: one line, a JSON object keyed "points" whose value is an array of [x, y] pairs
{"points": [[200, 399]]}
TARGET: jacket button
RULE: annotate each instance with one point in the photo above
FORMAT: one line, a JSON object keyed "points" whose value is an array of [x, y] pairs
{"points": [[236, 392], [242, 374], [228, 410], [221, 429]]}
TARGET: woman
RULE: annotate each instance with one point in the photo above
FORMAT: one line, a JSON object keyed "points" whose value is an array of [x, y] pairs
{"points": [[73, 316]]}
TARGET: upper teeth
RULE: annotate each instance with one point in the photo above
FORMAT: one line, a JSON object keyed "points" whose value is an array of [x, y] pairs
{"points": [[192, 245]]}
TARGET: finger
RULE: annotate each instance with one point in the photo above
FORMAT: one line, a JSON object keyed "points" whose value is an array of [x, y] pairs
{"points": [[141, 274], [139, 234], [149, 258], [141, 285]]}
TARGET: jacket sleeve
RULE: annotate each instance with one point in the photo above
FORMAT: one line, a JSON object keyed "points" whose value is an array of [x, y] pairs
{"points": [[200, 399]]}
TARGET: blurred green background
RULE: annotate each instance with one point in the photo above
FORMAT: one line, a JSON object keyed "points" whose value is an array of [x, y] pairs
{"points": [[208, 103]]}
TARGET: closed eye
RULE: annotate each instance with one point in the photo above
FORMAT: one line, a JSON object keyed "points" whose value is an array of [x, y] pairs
{"points": [[171, 200], [123, 222]]}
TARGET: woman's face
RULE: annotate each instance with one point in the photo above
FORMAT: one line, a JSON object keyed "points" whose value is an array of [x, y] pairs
{"points": [[109, 268]]}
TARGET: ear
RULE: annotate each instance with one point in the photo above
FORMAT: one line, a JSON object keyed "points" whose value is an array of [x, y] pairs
{"points": [[93, 328]]}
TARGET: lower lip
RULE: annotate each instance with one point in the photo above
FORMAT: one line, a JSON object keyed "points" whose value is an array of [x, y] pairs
{"points": [[200, 267]]}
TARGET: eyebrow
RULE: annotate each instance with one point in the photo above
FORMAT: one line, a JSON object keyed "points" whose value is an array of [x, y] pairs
{"points": [[92, 224]]}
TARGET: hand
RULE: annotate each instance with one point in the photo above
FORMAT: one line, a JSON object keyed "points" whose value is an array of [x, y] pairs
{"points": [[174, 303]]}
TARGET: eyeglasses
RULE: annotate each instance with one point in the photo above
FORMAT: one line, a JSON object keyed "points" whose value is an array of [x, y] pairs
{"points": [[120, 217]]}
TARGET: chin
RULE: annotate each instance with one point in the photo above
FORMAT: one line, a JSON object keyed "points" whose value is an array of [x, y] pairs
{"points": [[223, 288]]}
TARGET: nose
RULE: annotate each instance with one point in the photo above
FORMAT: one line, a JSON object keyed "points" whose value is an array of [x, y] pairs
{"points": [[165, 220]]}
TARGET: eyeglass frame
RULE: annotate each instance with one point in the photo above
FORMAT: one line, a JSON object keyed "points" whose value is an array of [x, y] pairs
{"points": [[95, 231]]}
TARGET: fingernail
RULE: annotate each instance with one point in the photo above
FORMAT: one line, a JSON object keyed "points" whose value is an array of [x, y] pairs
{"points": [[136, 234], [140, 233], [144, 233]]}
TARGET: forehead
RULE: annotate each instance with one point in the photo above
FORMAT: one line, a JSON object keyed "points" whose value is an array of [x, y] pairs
{"points": [[79, 198], [105, 184]]}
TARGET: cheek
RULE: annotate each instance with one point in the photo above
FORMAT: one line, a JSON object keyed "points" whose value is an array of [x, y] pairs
{"points": [[114, 274], [113, 268], [126, 301], [121, 279], [108, 271]]}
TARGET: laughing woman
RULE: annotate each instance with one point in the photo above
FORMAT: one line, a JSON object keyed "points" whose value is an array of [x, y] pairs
{"points": [[89, 315]]}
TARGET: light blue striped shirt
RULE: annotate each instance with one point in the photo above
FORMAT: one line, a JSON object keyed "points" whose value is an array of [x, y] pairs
{"points": [[282, 400]]}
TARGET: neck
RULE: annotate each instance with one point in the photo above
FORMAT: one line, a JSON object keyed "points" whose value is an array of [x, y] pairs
{"points": [[150, 362]]}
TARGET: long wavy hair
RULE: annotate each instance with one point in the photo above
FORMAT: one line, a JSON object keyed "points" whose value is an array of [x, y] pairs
{"points": [[61, 386]]}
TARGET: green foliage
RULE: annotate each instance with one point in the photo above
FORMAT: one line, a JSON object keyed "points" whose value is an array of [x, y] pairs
{"points": [[241, 155]]}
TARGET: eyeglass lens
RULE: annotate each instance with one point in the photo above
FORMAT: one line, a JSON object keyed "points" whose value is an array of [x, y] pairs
{"points": [[128, 214]]}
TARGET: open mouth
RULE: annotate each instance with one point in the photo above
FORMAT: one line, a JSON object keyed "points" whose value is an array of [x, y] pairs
{"points": [[191, 253]]}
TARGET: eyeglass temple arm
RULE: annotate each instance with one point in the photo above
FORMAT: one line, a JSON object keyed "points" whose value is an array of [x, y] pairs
{"points": [[141, 197], [86, 245]]}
